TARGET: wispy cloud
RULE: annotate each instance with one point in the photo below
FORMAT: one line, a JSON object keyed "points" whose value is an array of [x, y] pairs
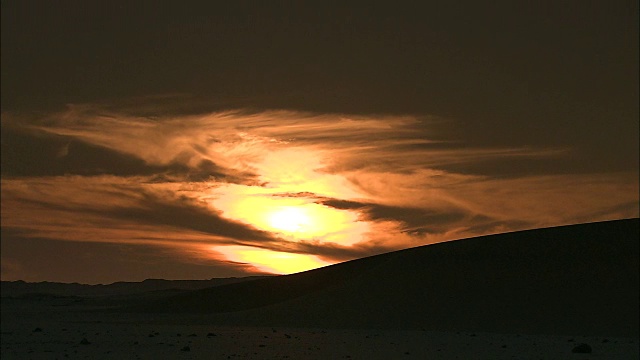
{"points": [[64, 207], [373, 183]]}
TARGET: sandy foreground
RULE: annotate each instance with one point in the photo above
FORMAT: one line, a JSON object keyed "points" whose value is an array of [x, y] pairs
{"points": [[46, 332]]}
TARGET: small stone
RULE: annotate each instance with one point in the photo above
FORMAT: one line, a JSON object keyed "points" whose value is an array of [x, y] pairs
{"points": [[84, 341], [37, 329], [186, 348]]}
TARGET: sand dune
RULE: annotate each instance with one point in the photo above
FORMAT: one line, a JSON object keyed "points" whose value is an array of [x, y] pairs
{"points": [[580, 279], [537, 294]]}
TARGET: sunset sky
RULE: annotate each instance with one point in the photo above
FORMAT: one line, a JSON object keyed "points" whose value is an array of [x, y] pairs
{"points": [[191, 140]]}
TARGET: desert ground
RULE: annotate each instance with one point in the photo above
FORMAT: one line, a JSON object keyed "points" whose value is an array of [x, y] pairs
{"points": [[45, 331]]}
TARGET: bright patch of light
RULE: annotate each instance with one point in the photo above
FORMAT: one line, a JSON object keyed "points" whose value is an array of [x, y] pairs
{"points": [[288, 204], [271, 261], [290, 219]]}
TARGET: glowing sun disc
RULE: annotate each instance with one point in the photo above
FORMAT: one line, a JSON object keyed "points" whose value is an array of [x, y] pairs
{"points": [[290, 219]]}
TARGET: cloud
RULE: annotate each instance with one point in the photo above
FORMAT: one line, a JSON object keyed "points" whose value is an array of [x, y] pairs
{"points": [[413, 219], [234, 141], [539, 200], [30, 259], [39, 153], [369, 184], [107, 200]]}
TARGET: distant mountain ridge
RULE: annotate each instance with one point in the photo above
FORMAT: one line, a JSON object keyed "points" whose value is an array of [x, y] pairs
{"points": [[21, 288]]}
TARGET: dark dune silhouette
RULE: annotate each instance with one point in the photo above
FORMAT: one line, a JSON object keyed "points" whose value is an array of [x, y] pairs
{"points": [[577, 279]]}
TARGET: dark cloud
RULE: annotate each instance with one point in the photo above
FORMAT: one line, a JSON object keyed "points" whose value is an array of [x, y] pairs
{"points": [[185, 214], [153, 209], [41, 154], [36, 153], [415, 220], [37, 259], [337, 253]]}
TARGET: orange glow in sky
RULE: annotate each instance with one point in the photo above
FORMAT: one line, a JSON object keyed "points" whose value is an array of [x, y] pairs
{"points": [[290, 219], [293, 218], [271, 261], [297, 169], [287, 207], [206, 151]]}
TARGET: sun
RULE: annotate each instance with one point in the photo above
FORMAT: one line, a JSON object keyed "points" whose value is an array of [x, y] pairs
{"points": [[290, 219]]}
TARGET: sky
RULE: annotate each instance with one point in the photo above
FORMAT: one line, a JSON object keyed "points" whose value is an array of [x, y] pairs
{"points": [[192, 140]]}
